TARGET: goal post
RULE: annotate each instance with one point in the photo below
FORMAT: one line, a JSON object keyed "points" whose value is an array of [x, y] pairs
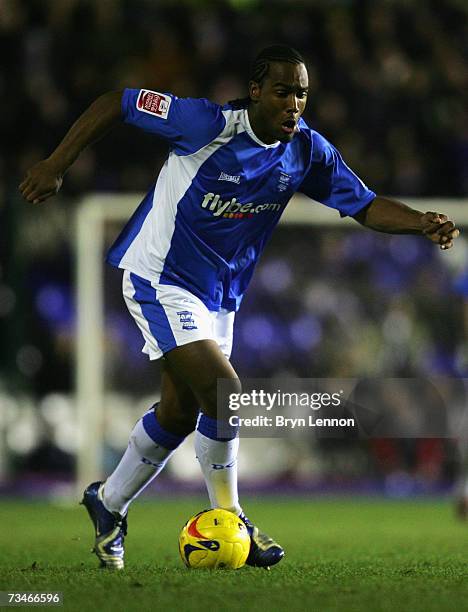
{"points": [[93, 212]]}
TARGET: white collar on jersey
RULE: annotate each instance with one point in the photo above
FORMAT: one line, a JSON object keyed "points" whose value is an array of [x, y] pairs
{"points": [[249, 130]]}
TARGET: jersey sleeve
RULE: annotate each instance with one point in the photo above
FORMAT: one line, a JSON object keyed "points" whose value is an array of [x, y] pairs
{"points": [[188, 124], [331, 182]]}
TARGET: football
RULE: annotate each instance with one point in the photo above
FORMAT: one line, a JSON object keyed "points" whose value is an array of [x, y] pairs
{"points": [[214, 539]]}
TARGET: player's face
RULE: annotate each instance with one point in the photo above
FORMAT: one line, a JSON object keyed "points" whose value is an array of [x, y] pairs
{"points": [[279, 101]]}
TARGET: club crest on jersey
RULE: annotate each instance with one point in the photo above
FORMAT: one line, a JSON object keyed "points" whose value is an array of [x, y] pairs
{"points": [[187, 320], [232, 209], [153, 103]]}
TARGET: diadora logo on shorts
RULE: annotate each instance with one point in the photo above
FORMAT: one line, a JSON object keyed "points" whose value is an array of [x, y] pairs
{"points": [[187, 320], [232, 209], [153, 103], [229, 177]]}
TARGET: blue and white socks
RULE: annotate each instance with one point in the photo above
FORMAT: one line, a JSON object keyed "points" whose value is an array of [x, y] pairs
{"points": [[218, 462], [148, 451], [149, 448]]}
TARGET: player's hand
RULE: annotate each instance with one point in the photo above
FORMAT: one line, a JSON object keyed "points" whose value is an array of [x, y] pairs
{"points": [[439, 229], [42, 181]]}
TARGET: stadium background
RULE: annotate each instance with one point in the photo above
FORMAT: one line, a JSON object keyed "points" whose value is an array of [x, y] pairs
{"points": [[387, 82]]}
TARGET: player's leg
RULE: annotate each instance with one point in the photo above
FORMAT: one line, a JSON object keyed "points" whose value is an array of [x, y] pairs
{"points": [[154, 438], [152, 441], [201, 364]]}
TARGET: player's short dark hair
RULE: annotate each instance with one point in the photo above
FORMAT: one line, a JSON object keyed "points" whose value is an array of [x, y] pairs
{"points": [[275, 53], [261, 66]]}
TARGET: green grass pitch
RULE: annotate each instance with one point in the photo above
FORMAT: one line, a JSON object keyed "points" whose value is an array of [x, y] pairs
{"points": [[341, 554]]}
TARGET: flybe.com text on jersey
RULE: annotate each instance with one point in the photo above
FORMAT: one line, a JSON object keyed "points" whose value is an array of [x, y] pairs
{"points": [[219, 207]]}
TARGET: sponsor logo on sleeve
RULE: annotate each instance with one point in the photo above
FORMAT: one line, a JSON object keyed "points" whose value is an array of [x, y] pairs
{"points": [[153, 103]]}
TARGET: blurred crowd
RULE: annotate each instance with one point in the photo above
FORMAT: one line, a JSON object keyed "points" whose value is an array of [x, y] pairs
{"points": [[388, 79], [389, 88]]}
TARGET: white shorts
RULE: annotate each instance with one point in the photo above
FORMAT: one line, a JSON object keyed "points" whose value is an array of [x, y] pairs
{"points": [[170, 316]]}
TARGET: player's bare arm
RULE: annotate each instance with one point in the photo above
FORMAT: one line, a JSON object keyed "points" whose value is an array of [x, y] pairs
{"points": [[393, 217], [44, 179]]}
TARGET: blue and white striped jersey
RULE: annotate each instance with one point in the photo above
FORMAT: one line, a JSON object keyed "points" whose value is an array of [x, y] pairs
{"points": [[219, 195]]}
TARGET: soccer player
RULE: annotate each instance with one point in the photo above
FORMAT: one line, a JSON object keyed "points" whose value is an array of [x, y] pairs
{"points": [[189, 252]]}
